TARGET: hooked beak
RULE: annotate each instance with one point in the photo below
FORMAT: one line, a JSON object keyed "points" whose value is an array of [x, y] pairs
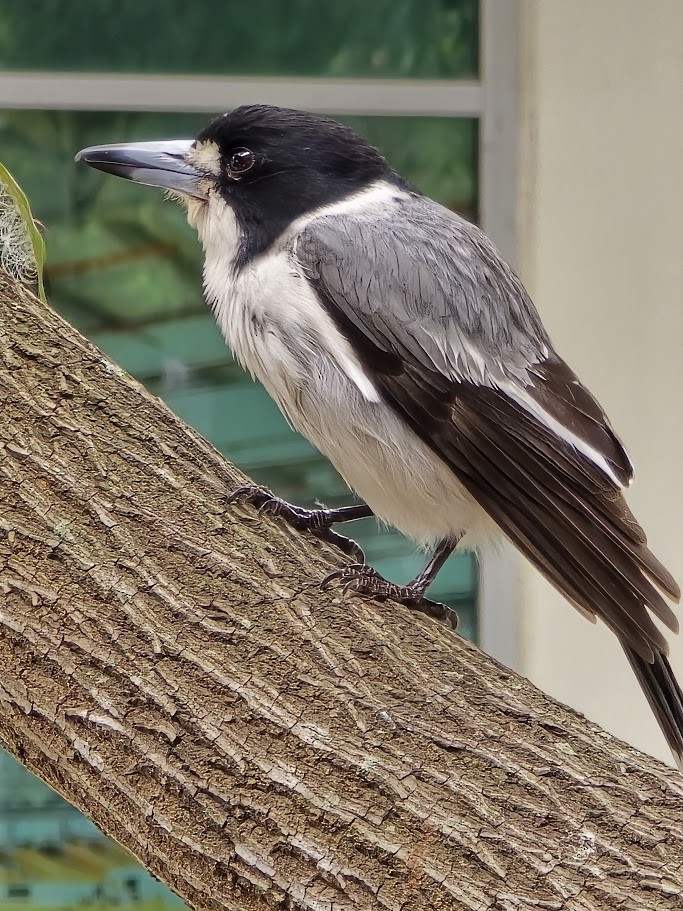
{"points": [[156, 164]]}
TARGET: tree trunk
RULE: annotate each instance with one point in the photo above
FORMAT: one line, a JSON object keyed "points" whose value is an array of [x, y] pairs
{"points": [[171, 667]]}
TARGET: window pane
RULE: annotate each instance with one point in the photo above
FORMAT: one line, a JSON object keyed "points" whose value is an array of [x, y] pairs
{"points": [[386, 38]]}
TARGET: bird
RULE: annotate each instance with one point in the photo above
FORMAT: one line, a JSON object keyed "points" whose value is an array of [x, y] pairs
{"points": [[393, 335]]}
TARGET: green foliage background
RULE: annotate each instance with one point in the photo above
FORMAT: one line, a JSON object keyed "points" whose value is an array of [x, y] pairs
{"points": [[388, 38], [91, 220]]}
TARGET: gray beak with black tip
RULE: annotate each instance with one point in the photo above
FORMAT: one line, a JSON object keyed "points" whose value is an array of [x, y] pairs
{"points": [[156, 164]]}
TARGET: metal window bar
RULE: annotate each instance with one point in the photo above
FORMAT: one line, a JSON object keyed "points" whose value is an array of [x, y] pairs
{"points": [[108, 91]]}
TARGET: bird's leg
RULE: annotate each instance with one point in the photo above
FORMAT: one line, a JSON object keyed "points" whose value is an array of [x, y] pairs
{"points": [[317, 521], [363, 580]]}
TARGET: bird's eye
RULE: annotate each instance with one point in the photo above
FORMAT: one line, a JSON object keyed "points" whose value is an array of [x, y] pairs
{"points": [[241, 161]]}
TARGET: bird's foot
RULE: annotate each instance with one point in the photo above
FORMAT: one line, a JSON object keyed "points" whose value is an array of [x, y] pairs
{"points": [[316, 521], [364, 581]]}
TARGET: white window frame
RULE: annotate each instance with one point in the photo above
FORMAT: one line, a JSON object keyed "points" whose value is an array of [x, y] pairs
{"points": [[499, 581], [492, 99]]}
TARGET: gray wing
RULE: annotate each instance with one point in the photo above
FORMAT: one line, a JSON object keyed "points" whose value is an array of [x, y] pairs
{"points": [[425, 279], [452, 342]]}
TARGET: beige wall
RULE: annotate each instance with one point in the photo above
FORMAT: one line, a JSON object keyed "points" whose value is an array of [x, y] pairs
{"points": [[601, 250]]}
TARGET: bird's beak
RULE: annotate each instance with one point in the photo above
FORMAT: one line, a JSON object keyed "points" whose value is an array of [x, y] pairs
{"points": [[156, 164]]}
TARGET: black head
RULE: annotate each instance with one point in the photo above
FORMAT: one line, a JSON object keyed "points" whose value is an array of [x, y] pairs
{"points": [[307, 160], [270, 165], [277, 164]]}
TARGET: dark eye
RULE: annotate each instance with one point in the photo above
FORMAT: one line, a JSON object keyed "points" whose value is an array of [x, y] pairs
{"points": [[240, 161]]}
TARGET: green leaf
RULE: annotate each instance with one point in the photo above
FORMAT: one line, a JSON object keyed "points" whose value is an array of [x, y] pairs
{"points": [[20, 201]]}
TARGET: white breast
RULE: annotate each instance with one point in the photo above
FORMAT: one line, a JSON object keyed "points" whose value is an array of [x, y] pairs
{"points": [[280, 333], [267, 308]]}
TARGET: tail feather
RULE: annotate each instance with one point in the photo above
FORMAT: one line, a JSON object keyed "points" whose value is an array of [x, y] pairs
{"points": [[664, 695]]}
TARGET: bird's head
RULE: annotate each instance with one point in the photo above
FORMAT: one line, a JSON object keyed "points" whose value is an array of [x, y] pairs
{"points": [[258, 168]]}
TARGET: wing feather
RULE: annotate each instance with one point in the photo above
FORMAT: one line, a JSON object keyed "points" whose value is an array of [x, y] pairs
{"points": [[474, 374], [453, 344]]}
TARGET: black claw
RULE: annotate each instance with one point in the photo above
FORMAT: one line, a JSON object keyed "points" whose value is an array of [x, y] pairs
{"points": [[345, 545], [363, 581], [350, 572], [252, 493], [316, 521], [266, 501]]}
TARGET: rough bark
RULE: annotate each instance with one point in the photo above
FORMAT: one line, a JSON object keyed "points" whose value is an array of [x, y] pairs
{"points": [[170, 666]]}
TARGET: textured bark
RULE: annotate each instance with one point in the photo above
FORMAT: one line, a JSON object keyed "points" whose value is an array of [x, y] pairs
{"points": [[170, 666]]}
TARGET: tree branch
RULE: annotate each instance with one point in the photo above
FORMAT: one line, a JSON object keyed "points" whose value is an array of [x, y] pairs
{"points": [[171, 667]]}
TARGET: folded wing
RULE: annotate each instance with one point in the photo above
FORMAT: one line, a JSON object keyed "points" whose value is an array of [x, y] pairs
{"points": [[450, 338]]}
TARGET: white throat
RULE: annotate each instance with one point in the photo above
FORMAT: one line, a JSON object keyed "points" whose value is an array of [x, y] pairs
{"points": [[267, 311]]}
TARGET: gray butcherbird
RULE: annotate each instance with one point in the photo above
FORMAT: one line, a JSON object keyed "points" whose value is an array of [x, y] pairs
{"points": [[393, 336]]}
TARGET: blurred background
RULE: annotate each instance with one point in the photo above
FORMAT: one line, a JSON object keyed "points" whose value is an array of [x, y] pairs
{"points": [[555, 125]]}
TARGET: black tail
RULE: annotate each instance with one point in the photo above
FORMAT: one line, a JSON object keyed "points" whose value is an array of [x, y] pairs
{"points": [[664, 695]]}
